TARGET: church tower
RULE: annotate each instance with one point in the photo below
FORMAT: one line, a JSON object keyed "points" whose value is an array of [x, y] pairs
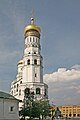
{"points": [[30, 67]]}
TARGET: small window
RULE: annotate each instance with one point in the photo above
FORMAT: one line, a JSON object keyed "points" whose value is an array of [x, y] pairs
{"points": [[28, 61], [20, 82], [29, 53], [35, 75], [14, 86], [30, 39], [35, 62], [20, 92], [33, 39], [36, 40], [11, 108], [34, 52]]}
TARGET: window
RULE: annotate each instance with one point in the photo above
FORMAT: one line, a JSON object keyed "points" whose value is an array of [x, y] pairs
{"points": [[28, 61], [33, 39], [78, 115], [14, 86], [37, 90], [30, 39], [36, 39], [27, 91], [34, 52], [11, 108], [20, 92], [17, 90], [35, 75], [35, 62], [20, 82], [29, 53]]}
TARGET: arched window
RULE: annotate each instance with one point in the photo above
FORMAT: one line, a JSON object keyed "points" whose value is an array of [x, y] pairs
{"points": [[28, 52], [28, 61], [35, 62], [20, 82], [37, 90], [27, 91], [30, 39], [20, 92], [17, 85], [34, 52], [33, 39]]}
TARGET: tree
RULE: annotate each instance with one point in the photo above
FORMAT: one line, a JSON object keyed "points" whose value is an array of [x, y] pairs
{"points": [[27, 104], [34, 108], [44, 105]]}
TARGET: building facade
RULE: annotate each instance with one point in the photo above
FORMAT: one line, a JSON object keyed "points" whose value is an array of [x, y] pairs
{"points": [[30, 68], [8, 107], [70, 111]]}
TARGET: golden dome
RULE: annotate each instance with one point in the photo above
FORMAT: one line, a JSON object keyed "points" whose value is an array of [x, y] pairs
{"points": [[32, 26], [20, 62]]}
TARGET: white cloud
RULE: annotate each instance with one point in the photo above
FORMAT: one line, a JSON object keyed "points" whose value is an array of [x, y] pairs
{"points": [[62, 74], [64, 85]]}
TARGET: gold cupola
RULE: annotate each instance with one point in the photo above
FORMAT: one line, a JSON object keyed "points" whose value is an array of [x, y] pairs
{"points": [[32, 29], [20, 62]]}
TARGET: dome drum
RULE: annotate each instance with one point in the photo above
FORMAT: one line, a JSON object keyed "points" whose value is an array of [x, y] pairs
{"points": [[32, 33]]}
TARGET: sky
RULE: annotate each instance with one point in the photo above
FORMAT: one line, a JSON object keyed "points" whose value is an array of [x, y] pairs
{"points": [[59, 21]]}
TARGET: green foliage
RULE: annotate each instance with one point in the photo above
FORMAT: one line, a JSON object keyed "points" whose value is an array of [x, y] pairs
{"points": [[35, 109], [44, 108]]}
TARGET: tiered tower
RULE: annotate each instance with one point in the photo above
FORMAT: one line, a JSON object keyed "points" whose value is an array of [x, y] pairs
{"points": [[30, 67]]}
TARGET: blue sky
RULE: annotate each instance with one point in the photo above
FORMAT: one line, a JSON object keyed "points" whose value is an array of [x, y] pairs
{"points": [[60, 41]]}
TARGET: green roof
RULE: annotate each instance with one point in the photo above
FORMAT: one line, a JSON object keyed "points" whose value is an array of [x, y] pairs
{"points": [[6, 96]]}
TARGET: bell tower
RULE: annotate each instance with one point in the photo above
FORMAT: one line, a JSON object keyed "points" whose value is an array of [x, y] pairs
{"points": [[33, 68], [33, 61], [30, 68]]}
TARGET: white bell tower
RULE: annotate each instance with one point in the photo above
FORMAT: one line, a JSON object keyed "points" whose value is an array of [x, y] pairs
{"points": [[30, 68], [32, 59]]}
